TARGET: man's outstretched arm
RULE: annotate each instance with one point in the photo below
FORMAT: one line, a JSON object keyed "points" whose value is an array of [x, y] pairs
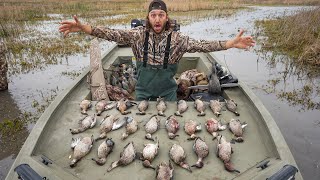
{"points": [[67, 27]]}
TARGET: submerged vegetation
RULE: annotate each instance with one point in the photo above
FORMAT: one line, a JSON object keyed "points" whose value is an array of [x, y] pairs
{"points": [[9, 127]]}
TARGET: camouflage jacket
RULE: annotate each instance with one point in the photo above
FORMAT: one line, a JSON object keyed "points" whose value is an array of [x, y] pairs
{"points": [[180, 44]]}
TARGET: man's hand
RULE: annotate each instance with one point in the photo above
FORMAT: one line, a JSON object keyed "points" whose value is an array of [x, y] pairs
{"points": [[241, 42], [67, 27]]}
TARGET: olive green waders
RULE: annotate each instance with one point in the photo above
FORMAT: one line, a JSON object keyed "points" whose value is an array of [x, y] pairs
{"points": [[156, 80]]}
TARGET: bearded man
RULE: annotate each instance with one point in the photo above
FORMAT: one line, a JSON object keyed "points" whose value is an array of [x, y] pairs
{"points": [[157, 49]]}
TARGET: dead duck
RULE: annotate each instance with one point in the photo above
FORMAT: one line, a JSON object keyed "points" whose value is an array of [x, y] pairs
{"points": [[215, 107], [236, 127], [84, 106], [127, 156], [142, 107], [200, 106], [202, 150], [106, 126], [172, 126], [119, 123], [123, 105], [182, 107], [224, 151], [232, 106], [178, 156], [84, 124], [81, 147], [152, 126], [149, 152], [213, 126], [104, 150], [191, 127], [103, 105], [164, 171], [131, 127], [161, 106]]}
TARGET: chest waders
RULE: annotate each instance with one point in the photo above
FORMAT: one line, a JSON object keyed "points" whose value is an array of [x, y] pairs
{"points": [[156, 80]]}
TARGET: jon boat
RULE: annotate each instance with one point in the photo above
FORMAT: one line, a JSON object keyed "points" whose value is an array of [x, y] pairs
{"points": [[46, 152]]}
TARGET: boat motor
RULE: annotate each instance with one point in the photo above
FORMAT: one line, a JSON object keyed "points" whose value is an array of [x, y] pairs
{"points": [[25, 172], [288, 172], [225, 77], [142, 22], [137, 23]]}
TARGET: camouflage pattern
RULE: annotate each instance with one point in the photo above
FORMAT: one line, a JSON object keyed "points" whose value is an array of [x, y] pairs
{"points": [[3, 68], [180, 44]]}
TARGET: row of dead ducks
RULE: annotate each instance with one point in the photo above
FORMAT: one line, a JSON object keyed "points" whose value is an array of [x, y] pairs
{"points": [[82, 146], [124, 104], [172, 125], [163, 170]]}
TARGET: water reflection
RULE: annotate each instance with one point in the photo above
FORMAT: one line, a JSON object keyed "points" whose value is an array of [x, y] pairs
{"points": [[13, 132], [297, 85]]}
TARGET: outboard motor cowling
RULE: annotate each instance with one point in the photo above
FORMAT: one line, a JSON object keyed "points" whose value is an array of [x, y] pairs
{"points": [[137, 23], [288, 172], [25, 172]]}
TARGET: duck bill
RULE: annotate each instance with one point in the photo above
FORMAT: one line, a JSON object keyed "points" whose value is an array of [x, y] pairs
{"points": [[124, 136], [192, 137], [147, 164], [141, 113], [229, 167], [84, 112], [99, 113], [178, 114], [202, 113], [185, 166], [148, 136], [199, 163], [172, 136], [101, 161], [215, 135], [217, 114], [73, 163], [101, 136], [239, 139], [113, 165], [160, 113]]}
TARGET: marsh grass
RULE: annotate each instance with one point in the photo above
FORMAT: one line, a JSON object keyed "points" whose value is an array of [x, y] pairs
{"points": [[303, 96], [9, 127], [297, 36], [284, 2], [294, 42]]}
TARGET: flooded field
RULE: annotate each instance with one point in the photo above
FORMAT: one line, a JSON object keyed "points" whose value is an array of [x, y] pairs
{"points": [[32, 87]]}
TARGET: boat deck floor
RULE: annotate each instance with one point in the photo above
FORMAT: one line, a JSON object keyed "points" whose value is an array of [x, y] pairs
{"points": [[55, 141]]}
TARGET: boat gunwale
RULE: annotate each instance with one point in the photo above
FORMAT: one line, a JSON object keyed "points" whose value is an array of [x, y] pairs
{"points": [[282, 149], [33, 139]]}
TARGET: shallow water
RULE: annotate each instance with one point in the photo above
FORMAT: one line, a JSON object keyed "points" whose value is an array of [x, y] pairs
{"points": [[299, 127]]}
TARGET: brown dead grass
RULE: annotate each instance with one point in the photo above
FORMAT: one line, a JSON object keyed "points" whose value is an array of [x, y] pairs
{"points": [[278, 2], [297, 36]]}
